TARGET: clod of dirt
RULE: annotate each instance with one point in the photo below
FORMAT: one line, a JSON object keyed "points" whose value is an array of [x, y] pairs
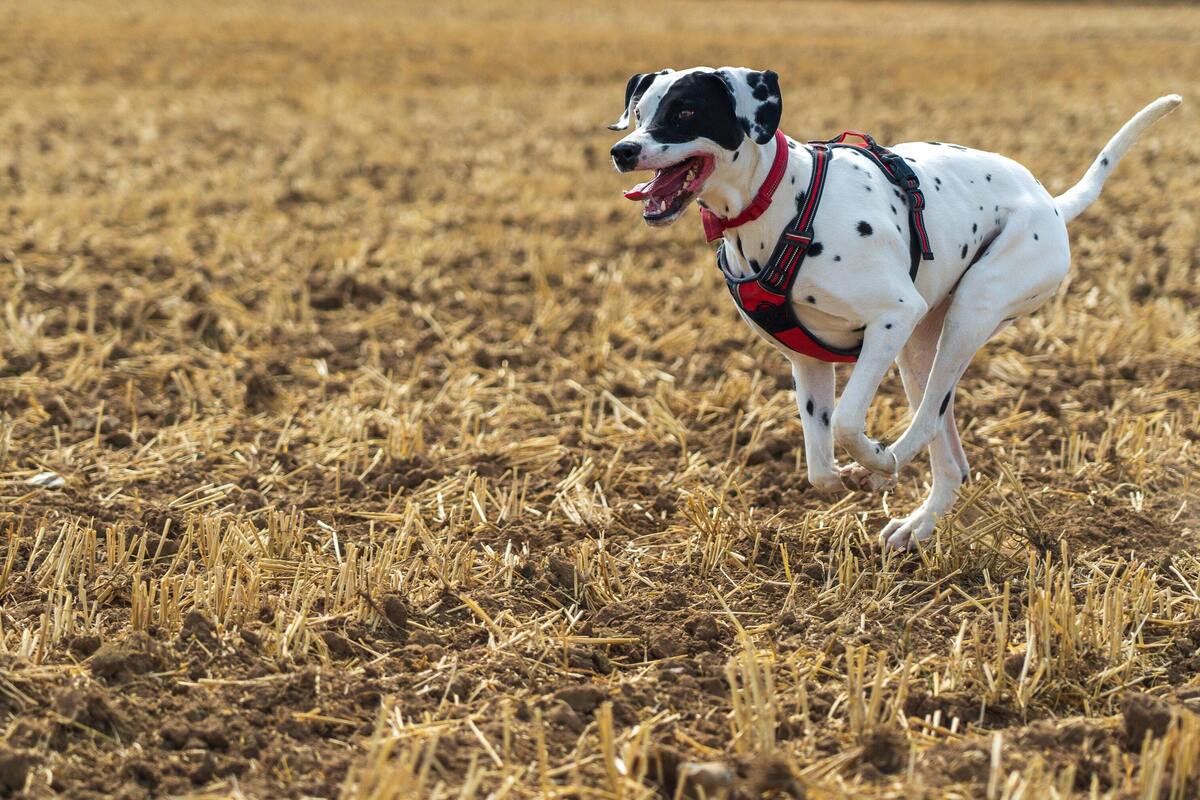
{"points": [[395, 611], [118, 661], [667, 642], [198, 627], [703, 627], [14, 768], [583, 699], [339, 646], [1013, 665], [564, 716], [561, 573], [175, 733], [118, 440], [141, 772], [661, 768], [213, 735], [772, 773], [1144, 714], [84, 645], [771, 449], [88, 706], [886, 749], [262, 391]]}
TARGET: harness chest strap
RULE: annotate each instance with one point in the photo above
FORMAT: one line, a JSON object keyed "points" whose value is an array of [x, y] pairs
{"points": [[765, 297]]}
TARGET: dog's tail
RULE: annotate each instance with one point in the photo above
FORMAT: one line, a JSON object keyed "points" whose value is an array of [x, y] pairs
{"points": [[1073, 201]]}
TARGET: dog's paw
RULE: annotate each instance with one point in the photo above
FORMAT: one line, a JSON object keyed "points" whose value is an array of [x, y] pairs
{"points": [[903, 533], [828, 483], [858, 478]]}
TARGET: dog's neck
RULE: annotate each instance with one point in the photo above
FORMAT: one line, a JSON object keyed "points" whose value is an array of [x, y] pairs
{"points": [[733, 185]]}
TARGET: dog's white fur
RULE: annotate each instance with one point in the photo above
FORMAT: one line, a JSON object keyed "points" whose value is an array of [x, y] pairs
{"points": [[1001, 250]]}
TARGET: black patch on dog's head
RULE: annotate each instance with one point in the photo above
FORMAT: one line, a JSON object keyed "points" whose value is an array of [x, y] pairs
{"points": [[638, 83], [697, 106], [757, 100]]}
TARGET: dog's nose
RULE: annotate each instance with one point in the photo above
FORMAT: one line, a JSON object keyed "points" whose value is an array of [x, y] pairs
{"points": [[625, 155]]}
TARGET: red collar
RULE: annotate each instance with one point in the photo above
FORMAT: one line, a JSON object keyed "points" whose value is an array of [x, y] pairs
{"points": [[714, 226]]}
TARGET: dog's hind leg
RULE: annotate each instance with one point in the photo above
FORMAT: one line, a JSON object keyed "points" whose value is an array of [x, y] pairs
{"points": [[1021, 269], [816, 388], [946, 458]]}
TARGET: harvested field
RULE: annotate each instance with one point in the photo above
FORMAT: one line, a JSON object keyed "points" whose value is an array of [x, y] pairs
{"points": [[358, 440]]}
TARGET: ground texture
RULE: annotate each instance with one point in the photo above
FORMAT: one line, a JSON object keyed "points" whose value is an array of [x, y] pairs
{"points": [[399, 459]]}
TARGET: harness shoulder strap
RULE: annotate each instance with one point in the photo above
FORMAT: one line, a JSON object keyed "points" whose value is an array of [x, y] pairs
{"points": [[902, 175]]}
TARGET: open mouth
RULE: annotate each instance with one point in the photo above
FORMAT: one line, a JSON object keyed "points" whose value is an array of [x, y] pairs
{"points": [[670, 190]]}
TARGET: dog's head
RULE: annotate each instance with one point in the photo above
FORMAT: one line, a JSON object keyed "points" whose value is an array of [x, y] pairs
{"points": [[689, 126]]}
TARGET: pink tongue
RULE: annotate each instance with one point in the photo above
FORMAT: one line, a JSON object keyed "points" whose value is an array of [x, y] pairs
{"points": [[663, 182]]}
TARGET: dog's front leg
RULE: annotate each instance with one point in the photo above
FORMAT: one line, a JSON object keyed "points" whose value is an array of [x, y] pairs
{"points": [[883, 339], [816, 386]]}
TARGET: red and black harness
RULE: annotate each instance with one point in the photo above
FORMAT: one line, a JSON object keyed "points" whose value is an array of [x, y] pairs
{"points": [[765, 296]]}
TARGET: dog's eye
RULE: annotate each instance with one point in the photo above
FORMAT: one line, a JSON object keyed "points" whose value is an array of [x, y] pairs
{"points": [[684, 114]]}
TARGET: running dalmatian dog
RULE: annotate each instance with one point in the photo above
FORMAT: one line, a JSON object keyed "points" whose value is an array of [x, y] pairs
{"points": [[998, 242]]}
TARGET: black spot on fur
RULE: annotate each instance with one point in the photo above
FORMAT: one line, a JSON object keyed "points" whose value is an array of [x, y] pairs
{"points": [[957, 146], [737, 153], [815, 249], [894, 211], [665, 147], [913, 160], [1104, 161], [945, 402], [974, 227], [809, 406], [964, 252], [825, 418], [792, 145], [868, 188], [897, 193], [887, 326], [811, 299], [988, 177], [864, 228], [937, 180], [837, 258], [793, 180], [934, 143], [1035, 237]]}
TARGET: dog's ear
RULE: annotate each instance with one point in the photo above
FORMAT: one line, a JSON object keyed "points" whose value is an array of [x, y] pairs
{"points": [[637, 86], [757, 101]]}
